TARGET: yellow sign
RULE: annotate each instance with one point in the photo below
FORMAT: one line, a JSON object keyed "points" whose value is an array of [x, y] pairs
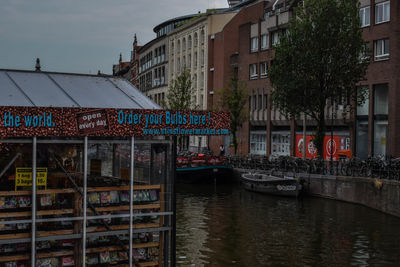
{"points": [[23, 177]]}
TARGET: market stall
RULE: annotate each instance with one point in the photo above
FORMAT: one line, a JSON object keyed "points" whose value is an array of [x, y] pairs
{"points": [[87, 171]]}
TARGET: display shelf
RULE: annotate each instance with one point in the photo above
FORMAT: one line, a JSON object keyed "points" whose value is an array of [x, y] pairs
{"points": [[20, 257], [38, 192], [118, 248], [126, 207], [38, 213], [52, 254], [122, 227]]}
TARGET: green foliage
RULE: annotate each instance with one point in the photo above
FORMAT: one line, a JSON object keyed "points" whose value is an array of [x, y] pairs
{"points": [[319, 58], [233, 99], [180, 92]]}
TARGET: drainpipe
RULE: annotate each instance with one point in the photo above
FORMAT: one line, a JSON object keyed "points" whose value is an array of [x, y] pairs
{"points": [[273, 6]]}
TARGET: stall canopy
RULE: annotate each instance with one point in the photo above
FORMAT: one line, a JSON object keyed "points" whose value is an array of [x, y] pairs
{"points": [[49, 89]]}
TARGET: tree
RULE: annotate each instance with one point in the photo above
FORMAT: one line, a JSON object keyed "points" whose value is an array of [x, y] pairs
{"points": [[180, 92], [180, 96], [321, 57], [233, 99]]}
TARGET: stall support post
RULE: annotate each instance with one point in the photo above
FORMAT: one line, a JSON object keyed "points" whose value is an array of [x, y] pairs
{"points": [[173, 181], [85, 161], [132, 174], [33, 245]]}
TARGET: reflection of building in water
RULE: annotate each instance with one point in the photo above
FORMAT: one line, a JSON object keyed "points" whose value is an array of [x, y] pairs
{"points": [[193, 231]]}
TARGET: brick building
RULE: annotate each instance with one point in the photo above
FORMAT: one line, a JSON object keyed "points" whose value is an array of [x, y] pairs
{"points": [[245, 44]]}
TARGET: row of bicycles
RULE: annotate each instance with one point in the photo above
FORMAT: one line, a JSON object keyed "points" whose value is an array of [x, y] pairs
{"points": [[375, 167]]}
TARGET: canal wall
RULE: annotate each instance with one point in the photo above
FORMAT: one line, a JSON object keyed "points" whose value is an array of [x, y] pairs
{"points": [[382, 195]]}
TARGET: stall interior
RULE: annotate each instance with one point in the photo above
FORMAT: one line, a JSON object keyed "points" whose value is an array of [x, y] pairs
{"points": [[64, 227]]}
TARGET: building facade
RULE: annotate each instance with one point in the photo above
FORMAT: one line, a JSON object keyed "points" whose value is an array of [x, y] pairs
{"points": [[245, 45], [376, 129], [189, 49]]}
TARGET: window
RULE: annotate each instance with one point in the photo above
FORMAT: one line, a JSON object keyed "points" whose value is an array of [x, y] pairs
{"points": [[183, 44], [178, 67], [381, 49], [190, 42], [179, 46], [362, 110], [195, 81], [258, 142], [265, 101], [259, 101], [195, 60], [365, 16], [263, 69], [365, 53], [184, 62], [382, 12], [275, 38], [381, 99], [264, 41], [202, 80], [203, 37], [254, 44], [196, 39], [190, 61], [201, 101], [202, 57], [253, 71]]}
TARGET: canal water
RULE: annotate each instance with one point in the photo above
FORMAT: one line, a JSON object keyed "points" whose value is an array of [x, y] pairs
{"points": [[225, 225]]}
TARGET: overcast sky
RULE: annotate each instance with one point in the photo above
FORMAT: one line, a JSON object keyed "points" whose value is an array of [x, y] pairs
{"points": [[82, 36]]}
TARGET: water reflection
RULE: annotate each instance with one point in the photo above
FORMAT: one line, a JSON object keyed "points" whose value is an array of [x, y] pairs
{"points": [[228, 226]]}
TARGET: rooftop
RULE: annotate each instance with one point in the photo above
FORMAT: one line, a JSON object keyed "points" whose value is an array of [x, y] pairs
{"points": [[53, 89]]}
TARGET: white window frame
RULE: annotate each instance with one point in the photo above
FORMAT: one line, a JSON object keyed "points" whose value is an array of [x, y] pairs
{"points": [[263, 69], [264, 44], [381, 7], [385, 54], [275, 38], [254, 44], [364, 19], [253, 71]]}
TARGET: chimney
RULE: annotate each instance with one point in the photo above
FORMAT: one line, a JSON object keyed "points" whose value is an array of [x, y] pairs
{"points": [[37, 66]]}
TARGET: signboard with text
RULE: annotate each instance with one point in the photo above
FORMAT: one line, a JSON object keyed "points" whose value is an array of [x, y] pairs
{"points": [[36, 121], [23, 177]]}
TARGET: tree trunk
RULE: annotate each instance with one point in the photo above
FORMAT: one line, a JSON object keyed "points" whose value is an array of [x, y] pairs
{"points": [[234, 141], [319, 135]]}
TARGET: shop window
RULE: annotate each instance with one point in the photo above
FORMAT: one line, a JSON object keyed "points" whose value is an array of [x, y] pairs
{"points": [[381, 49], [280, 144], [254, 44], [380, 137], [258, 143], [362, 110], [362, 139], [264, 41], [382, 12], [365, 16], [253, 71]]}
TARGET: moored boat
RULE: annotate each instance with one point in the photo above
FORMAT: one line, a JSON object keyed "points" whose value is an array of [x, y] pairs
{"points": [[269, 184]]}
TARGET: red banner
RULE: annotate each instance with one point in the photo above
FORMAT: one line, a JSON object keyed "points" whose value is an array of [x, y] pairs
{"points": [[339, 143]]}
